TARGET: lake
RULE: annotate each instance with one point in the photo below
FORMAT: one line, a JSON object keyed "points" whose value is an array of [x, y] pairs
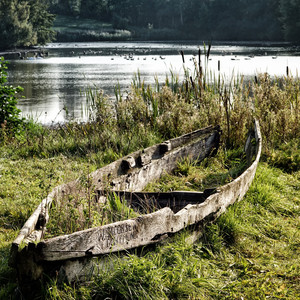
{"points": [[54, 86]]}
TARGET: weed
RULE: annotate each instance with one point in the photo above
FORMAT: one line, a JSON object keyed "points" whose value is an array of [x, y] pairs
{"points": [[251, 252], [73, 213], [212, 172]]}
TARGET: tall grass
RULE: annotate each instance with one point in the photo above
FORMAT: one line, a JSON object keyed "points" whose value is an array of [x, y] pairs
{"points": [[212, 172], [250, 252], [74, 213], [151, 113]]}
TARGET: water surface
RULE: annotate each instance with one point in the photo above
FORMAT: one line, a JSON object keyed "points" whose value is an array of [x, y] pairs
{"points": [[54, 85]]}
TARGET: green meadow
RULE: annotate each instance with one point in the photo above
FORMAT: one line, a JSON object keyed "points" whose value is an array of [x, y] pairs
{"points": [[250, 252]]}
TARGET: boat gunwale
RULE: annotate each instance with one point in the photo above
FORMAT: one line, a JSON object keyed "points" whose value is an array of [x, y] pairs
{"points": [[206, 206], [34, 261], [45, 205]]}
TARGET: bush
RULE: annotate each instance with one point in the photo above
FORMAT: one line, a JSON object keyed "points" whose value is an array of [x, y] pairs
{"points": [[10, 119]]}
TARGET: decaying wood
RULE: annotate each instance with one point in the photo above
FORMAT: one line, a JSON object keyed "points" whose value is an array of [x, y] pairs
{"points": [[127, 177], [146, 202], [133, 172]]}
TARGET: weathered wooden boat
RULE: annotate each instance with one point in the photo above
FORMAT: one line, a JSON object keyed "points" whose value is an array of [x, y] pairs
{"points": [[68, 255]]}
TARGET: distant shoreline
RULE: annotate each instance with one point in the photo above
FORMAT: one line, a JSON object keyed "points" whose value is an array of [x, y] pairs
{"points": [[42, 50], [22, 52]]}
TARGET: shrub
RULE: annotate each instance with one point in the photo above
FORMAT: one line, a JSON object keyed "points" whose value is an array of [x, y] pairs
{"points": [[10, 119]]}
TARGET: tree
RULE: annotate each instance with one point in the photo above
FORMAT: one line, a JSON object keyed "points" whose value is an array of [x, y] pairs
{"points": [[97, 10], [25, 23], [75, 7], [290, 12], [42, 22], [15, 26]]}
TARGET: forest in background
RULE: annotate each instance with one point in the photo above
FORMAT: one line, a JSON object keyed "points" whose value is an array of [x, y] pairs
{"points": [[25, 23], [28, 22]]}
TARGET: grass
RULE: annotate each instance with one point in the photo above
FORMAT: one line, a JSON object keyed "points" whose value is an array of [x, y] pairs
{"points": [[72, 29], [69, 22], [212, 172], [251, 252], [73, 213]]}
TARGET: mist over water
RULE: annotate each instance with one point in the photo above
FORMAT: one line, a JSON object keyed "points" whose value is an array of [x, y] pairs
{"points": [[54, 86]]}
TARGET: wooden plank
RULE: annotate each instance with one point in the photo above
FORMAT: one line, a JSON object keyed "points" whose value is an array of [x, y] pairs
{"points": [[40, 212], [152, 162], [146, 229], [71, 255], [149, 228], [100, 178], [146, 202]]}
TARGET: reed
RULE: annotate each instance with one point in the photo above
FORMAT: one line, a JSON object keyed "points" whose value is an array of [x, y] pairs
{"points": [[233, 261]]}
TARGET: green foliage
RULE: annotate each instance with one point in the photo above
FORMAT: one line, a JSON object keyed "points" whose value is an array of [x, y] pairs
{"points": [[15, 26], [75, 6], [190, 19], [10, 119], [286, 156], [42, 22], [68, 28], [25, 23], [277, 107], [289, 12]]}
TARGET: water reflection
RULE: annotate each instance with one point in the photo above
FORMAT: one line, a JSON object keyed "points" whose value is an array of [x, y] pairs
{"points": [[55, 85]]}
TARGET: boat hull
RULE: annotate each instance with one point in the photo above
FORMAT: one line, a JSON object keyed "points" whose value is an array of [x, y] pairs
{"points": [[71, 255]]}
